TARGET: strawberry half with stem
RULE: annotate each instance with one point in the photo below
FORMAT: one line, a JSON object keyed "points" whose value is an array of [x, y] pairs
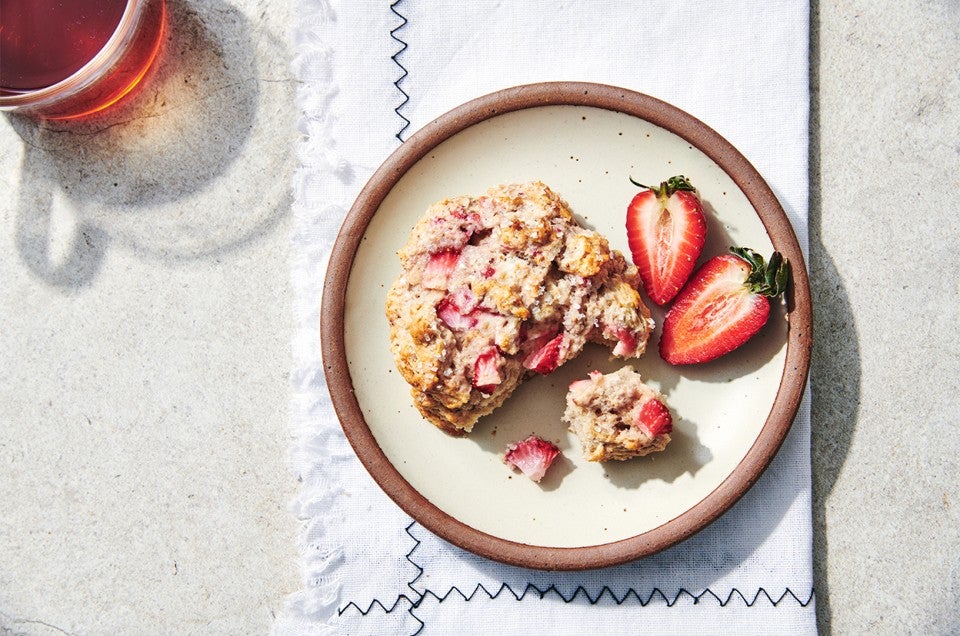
{"points": [[725, 303], [666, 231]]}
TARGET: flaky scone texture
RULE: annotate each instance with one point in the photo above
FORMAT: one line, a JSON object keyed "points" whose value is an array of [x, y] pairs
{"points": [[613, 417], [496, 287]]}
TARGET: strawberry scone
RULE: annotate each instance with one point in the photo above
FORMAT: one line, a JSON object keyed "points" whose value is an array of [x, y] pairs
{"points": [[497, 287], [617, 416]]}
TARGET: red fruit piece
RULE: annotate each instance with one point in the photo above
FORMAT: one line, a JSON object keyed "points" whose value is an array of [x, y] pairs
{"points": [[654, 417], [463, 299], [532, 456], [486, 370], [545, 357], [626, 343], [438, 269], [578, 386], [666, 231], [454, 318], [724, 305], [457, 309]]}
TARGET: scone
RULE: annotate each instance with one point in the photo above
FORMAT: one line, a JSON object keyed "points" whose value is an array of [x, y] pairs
{"points": [[496, 287], [617, 416]]}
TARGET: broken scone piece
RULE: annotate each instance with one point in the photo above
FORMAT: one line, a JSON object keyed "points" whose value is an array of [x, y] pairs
{"points": [[497, 287], [617, 416]]}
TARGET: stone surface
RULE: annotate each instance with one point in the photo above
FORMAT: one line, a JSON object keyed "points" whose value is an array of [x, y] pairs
{"points": [[145, 344], [144, 334], [884, 263]]}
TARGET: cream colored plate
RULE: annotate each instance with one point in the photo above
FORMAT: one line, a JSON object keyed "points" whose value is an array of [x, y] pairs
{"points": [[585, 154]]}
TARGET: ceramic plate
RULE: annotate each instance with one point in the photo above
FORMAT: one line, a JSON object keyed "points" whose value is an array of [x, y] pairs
{"points": [[731, 415]]}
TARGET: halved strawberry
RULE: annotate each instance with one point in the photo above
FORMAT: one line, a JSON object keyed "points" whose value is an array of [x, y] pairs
{"points": [[486, 370], [724, 305], [666, 231], [438, 269], [654, 417], [545, 357], [532, 456]]}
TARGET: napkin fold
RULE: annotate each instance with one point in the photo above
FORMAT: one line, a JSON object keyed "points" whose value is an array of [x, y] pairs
{"points": [[372, 73]]}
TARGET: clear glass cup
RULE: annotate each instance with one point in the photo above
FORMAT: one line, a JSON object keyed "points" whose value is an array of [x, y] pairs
{"points": [[110, 74]]}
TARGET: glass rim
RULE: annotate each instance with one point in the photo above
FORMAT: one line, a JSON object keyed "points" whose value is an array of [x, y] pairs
{"points": [[89, 72]]}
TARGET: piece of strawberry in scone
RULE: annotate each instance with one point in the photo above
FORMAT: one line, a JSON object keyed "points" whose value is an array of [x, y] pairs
{"points": [[496, 288], [617, 416]]}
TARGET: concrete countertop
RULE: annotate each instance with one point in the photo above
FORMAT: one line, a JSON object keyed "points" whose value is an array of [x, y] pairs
{"points": [[145, 328], [885, 151], [146, 315]]}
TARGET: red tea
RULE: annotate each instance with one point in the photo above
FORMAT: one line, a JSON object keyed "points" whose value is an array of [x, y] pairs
{"points": [[46, 49], [45, 41]]}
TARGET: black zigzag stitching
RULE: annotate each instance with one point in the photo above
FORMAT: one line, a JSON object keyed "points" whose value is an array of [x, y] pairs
{"points": [[532, 589], [581, 591], [401, 597], [386, 610], [403, 47], [412, 562]]}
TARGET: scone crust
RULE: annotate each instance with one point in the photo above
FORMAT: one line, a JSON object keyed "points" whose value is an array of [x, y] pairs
{"points": [[517, 270]]}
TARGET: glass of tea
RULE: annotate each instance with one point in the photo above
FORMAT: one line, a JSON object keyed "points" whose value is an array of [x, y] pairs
{"points": [[66, 59]]}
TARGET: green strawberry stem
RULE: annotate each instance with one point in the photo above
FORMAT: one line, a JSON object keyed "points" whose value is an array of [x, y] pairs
{"points": [[668, 187], [766, 279]]}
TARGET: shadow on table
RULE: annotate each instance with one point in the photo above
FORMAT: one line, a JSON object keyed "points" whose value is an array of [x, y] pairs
{"points": [[130, 174], [835, 370]]}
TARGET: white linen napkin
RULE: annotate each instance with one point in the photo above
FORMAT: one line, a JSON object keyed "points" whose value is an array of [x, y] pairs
{"points": [[371, 74]]}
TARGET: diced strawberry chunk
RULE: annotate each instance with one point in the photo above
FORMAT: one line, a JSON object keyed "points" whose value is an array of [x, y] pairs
{"points": [[580, 385], [539, 335], [438, 269], [486, 370], [454, 318], [489, 271], [463, 299], [546, 357], [532, 456], [627, 343], [654, 417]]}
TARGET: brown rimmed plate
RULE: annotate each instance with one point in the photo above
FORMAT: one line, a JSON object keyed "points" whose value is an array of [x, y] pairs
{"points": [[731, 415]]}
